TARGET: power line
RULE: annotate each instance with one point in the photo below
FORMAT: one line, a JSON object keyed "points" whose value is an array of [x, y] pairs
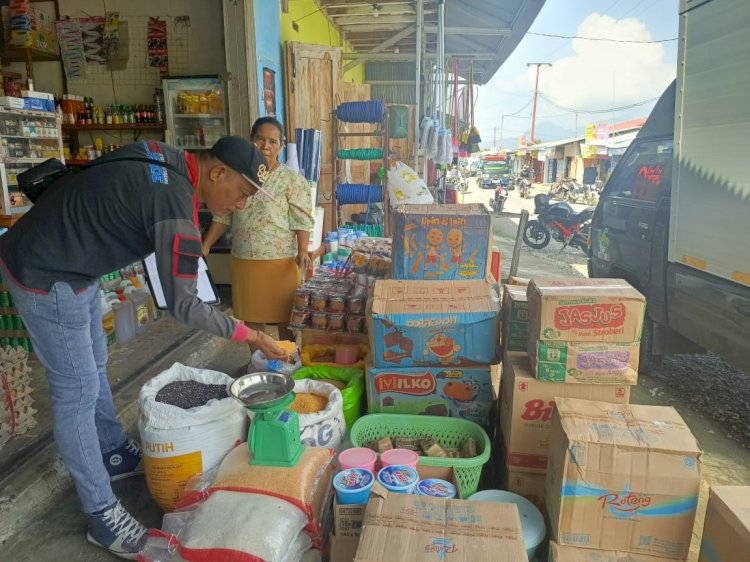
{"points": [[588, 111], [600, 38]]}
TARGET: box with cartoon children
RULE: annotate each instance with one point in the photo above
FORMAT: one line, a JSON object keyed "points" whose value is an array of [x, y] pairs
{"points": [[441, 242]]}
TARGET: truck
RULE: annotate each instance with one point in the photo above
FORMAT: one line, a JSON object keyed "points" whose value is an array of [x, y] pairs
{"points": [[494, 171], [674, 216]]}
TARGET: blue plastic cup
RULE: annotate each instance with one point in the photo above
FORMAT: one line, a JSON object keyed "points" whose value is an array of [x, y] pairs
{"points": [[435, 488], [398, 479], [353, 485]]}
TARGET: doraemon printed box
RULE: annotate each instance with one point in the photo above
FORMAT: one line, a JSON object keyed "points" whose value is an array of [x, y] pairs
{"points": [[434, 391], [435, 323], [439, 242]]}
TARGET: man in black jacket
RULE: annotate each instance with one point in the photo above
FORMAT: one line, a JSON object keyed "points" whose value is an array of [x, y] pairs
{"points": [[141, 199]]}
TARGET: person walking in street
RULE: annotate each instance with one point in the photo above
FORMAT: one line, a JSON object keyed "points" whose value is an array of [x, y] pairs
{"points": [[270, 238], [141, 199]]}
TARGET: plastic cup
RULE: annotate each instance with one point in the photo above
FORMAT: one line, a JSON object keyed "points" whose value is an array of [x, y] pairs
{"points": [[358, 457], [353, 486], [398, 479], [435, 488], [402, 457], [346, 354]]}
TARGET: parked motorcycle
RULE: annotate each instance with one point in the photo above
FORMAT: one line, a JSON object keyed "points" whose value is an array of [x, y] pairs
{"points": [[558, 221], [498, 201]]}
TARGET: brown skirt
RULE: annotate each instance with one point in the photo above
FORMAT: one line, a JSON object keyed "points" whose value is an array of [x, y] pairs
{"points": [[263, 290]]}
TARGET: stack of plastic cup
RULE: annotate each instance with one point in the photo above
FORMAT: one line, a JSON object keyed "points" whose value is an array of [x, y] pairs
{"points": [[402, 457], [358, 457]]}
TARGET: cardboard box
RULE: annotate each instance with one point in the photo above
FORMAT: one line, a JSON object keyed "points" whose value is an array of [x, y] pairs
{"points": [[726, 533], [347, 519], [585, 362], [622, 477], [558, 553], [459, 392], [441, 242], [324, 337], [515, 318], [526, 406], [342, 549], [529, 485], [436, 323], [585, 310], [422, 529]]}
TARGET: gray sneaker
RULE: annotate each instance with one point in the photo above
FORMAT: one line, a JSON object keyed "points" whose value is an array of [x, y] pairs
{"points": [[115, 530]]}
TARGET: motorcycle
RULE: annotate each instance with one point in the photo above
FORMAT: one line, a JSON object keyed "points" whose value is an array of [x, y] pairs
{"points": [[498, 201], [558, 221]]}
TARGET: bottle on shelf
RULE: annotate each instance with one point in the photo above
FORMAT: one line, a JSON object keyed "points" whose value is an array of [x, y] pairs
{"points": [[108, 320], [124, 319]]}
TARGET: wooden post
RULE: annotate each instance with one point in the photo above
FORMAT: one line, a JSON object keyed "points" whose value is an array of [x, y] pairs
{"points": [[517, 247]]}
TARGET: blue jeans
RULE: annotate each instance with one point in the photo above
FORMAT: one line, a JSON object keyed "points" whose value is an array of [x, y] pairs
{"points": [[66, 331]]}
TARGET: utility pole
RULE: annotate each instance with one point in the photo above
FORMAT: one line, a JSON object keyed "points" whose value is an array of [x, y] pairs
{"points": [[502, 124], [494, 137], [536, 91]]}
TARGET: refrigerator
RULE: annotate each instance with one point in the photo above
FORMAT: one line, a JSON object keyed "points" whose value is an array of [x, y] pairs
{"points": [[196, 111]]}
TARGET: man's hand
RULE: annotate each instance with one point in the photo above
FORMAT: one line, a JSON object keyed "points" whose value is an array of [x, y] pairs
{"points": [[268, 345], [303, 261]]}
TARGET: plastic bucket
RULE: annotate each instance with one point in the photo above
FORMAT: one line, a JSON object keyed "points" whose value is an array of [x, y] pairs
{"points": [[398, 479], [399, 457], [532, 520], [353, 486], [358, 457], [435, 488]]}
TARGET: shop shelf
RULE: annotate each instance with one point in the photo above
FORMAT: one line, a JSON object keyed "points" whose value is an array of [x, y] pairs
{"points": [[198, 116], [24, 160], [120, 127], [21, 54]]}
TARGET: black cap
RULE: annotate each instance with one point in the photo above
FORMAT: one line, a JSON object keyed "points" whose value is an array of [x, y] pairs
{"points": [[242, 156]]}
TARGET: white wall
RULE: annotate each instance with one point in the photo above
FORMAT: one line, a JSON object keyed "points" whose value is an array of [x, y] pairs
{"points": [[196, 50]]}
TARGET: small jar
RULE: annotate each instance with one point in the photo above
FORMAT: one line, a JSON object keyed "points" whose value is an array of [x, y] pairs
{"points": [[302, 298], [320, 320], [319, 301], [356, 305], [336, 322], [300, 319], [337, 304], [355, 324]]}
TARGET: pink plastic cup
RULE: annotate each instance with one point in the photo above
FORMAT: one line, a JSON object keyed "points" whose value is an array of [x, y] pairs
{"points": [[400, 457], [358, 457]]}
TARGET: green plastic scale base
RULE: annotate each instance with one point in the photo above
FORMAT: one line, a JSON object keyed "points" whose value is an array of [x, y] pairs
{"points": [[274, 435]]}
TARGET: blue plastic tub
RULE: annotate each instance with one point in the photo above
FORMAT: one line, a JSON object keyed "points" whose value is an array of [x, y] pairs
{"points": [[398, 479], [353, 485]]}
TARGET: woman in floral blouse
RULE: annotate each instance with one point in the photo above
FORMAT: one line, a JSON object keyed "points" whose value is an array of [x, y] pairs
{"points": [[269, 238]]}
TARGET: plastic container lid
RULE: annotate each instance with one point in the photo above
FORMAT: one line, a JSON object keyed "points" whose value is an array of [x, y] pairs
{"points": [[357, 457], [403, 457], [398, 478], [353, 480], [436, 488], [532, 521]]}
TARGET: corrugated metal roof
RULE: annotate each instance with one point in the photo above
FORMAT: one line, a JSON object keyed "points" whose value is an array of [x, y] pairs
{"points": [[485, 31]]}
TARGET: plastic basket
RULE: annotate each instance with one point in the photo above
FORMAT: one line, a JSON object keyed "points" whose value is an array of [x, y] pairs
{"points": [[448, 432]]}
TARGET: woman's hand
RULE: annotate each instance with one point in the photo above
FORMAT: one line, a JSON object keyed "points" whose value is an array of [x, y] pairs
{"points": [[264, 342], [303, 261]]}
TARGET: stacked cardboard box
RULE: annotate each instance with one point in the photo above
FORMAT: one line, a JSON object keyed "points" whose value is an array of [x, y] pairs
{"points": [[585, 330], [16, 411], [622, 478], [526, 406], [515, 318], [726, 533], [559, 553], [434, 330]]}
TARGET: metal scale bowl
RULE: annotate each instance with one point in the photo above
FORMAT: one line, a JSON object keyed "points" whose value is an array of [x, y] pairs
{"points": [[273, 438]]}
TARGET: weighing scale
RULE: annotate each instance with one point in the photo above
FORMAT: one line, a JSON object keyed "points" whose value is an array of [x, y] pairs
{"points": [[273, 438]]}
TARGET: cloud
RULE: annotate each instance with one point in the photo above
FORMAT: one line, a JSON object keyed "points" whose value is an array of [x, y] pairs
{"points": [[585, 79]]}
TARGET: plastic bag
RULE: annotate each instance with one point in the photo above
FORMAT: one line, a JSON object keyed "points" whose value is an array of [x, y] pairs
{"points": [[325, 428], [197, 439], [230, 526], [260, 362], [351, 394], [405, 187]]}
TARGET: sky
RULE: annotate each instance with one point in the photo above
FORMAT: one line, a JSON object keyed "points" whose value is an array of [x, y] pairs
{"points": [[585, 75]]}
